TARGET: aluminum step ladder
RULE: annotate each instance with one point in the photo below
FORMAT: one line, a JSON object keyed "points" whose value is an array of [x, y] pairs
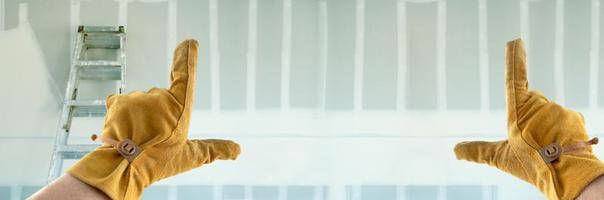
{"points": [[99, 54]]}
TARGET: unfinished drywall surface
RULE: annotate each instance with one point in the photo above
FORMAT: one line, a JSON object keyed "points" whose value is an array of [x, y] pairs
{"points": [[325, 145], [232, 37], [99, 13], [50, 23], [380, 66], [193, 22], [421, 34], [146, 52], [29, 105], [340, 55], [463, 71], [436, 74], [268, 54]]}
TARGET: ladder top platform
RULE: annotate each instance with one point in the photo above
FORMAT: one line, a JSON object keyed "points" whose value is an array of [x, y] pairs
{"points": [[101, 29]]}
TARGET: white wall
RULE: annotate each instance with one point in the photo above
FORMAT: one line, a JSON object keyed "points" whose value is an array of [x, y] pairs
{"points": [[379, 90]]}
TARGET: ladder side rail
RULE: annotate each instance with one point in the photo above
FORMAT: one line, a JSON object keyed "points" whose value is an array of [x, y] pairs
{"points": [[63, 129], [122, 60]]}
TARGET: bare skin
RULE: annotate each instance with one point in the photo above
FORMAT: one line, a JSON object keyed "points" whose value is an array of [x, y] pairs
{"points": [[593, 191], [68, 188]]}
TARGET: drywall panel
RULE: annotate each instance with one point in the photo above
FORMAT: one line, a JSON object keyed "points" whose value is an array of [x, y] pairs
{"points": [[462, 57], [192, 21], [383, 192], [11, 13], [147, 60], [503, 25], [340, 55], [421, 35], [380, 67], [99, 13], [577, 45], [50, 22], [268, 68], [305, 70], [541, 44], [233, 34]]}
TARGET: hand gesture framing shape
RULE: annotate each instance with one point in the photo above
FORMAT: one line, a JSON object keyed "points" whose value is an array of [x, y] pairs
{"points": [[145, 136], [547, 144]]}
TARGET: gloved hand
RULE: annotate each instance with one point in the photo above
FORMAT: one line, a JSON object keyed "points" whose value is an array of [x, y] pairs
{"points": [[145, 136], [547, 144]]}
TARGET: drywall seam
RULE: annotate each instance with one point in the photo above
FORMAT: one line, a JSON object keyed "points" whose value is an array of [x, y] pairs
{"points": [[483, 55], [252, 56], [359, 55], [441, 79], [323, 49], [286, 55], [594, 54], [214, 57], [401, 55], [559, 52]]}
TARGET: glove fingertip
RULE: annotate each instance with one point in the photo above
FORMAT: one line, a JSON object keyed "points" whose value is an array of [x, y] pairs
{"points": [[461, 150], [235, 150]]}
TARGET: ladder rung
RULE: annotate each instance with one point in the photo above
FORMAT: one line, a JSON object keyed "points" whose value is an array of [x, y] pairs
{"points": [[102, 40], [75, 151], [86, 102], [87, 108], [105, 70], [97, 63], [102, 29], [99, 54]]}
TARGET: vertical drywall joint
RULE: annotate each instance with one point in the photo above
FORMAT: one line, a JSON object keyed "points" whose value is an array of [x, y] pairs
{"points": [[441, 194], [559, 52], [441, 79], [252, 56], [355, 192], [214, 57], [525, 30], [171, 34], [359, 55], [122, 15], [488, 192], [594, 54], [172, 192], [323, 49], [217, 192], [247, 192], [74, 22], [336, 191], [401, 192], [282, 193], [286, 55], [401, 28], [483, 55], [23, 14]]}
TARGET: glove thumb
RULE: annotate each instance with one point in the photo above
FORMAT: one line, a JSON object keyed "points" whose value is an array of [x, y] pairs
{"points": [[199, 152], [481, 151]]}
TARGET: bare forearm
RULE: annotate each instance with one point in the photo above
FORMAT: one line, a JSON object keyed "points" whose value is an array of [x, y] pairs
{"points": [[593, 191], [68, 187]]}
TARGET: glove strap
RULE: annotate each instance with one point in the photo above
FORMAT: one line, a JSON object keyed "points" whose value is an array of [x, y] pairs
{"points": [[127, 148], [552, 152]]}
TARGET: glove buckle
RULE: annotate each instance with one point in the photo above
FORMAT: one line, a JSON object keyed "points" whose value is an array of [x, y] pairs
{"points": [[128, 149], [551, 152]]}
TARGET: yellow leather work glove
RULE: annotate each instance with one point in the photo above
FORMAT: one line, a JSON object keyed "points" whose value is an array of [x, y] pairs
{"points": [[145, 136], [547, 144]]}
